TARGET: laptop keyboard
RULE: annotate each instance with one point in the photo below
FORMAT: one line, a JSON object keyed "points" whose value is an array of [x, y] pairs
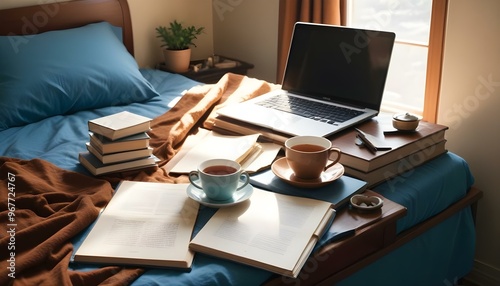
{"points": [[311, 109]]}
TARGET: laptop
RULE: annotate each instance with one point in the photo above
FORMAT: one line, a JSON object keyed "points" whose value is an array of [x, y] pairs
{"points": [[336, 72]]}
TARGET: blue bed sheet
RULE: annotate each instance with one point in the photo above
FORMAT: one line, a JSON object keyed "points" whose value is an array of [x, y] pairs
{"points": [[425, 191], [429, 189]]}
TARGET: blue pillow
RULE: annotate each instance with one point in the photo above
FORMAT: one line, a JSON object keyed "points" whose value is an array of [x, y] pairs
{"points": [[62, 72]]}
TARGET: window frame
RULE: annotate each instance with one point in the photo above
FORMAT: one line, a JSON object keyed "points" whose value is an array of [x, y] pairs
{"points": [[435, 49], [435, 59]]}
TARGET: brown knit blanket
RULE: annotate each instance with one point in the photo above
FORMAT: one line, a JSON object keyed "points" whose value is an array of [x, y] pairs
{"points": [[42, 207]]}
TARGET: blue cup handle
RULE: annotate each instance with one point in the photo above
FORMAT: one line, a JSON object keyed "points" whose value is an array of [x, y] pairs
{"points": [[245, 178], [193, 177]]}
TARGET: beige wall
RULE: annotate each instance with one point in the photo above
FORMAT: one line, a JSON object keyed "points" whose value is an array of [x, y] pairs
{"points": [[247, 30], [470, 105]]}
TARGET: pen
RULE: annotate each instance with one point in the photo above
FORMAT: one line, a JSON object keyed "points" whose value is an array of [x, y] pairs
{"points": [[366, 142]]}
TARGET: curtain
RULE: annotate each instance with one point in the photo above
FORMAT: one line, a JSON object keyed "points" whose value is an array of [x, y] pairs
{"points": [[315, 11]]}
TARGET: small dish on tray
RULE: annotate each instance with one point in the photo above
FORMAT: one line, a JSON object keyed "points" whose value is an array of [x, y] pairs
{"points": [[366, 203], [281, 169], [238, 197]]}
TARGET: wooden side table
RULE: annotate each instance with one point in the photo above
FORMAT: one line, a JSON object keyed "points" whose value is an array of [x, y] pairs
{"points": [[213, 74]]}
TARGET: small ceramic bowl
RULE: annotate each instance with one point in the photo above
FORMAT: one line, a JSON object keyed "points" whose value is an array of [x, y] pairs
{"points": [[366, 203], [405, 121]]}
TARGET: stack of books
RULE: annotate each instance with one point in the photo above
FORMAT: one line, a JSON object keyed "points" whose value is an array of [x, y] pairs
{"points": [[118, 142], [407, 150]]}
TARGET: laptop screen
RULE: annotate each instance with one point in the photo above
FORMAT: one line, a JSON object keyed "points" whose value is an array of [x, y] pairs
{"points": [[339, 64]]}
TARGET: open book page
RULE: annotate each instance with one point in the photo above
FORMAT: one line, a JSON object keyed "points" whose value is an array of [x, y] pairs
{"points": [[145, 223], [207, 145], [271, 231]]}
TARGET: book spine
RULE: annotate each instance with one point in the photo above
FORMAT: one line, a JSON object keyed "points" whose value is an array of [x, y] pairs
{"points": [[399, 166], [232, 128]]}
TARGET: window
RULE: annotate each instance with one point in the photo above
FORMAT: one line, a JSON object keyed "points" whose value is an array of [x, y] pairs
{"points": [[413, 80]]}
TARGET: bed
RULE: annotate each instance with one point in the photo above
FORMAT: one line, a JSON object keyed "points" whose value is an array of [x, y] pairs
{"points": [[53, 83]]}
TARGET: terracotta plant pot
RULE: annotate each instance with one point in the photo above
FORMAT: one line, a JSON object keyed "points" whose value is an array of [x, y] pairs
{"points": [[177, 60]]}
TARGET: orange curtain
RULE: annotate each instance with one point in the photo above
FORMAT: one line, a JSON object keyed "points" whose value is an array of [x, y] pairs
{"points": [[315, 11]]}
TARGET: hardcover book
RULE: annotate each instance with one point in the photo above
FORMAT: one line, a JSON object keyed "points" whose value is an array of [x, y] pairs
{"points": [[96, 167], [119, 125], [120, 156], [270, 231], [132, 142], [146, 224], [402, 143], [399, 166]]}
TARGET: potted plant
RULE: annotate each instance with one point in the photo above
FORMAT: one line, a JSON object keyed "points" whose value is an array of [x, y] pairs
{"points": [[177, 40]]}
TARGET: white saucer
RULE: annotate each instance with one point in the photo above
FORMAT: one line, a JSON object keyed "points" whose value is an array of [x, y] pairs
{"points": [[238, 197], [283, 171]]}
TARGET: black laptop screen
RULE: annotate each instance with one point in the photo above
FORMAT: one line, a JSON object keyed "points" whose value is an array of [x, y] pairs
{"points": [[339, 64]]}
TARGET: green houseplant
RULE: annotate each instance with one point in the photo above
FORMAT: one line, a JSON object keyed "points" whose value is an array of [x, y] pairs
{"points": [[177, 40]]}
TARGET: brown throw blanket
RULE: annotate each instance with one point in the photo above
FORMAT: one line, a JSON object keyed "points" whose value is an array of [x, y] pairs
{"points": [[43, 207]]}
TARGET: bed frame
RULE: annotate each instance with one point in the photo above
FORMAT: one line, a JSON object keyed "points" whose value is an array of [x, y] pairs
{"points": [[47, 17]]}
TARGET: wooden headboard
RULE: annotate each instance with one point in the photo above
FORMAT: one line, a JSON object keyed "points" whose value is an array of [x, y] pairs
{"points": [[64, 15]]}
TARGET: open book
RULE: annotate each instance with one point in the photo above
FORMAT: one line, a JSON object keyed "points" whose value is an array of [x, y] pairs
{"points": [[206, 145], [271, 231], [145, 223]]}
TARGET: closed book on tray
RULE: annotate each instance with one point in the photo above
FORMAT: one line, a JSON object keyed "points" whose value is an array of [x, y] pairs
{"points": [[270, 231], [134, 229], [120, 156], [106, 146], [401, 143], [96, 167], [399, 166], [119, 125]]}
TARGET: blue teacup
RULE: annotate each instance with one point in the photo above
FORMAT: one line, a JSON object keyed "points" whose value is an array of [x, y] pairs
{"points": [[219, 178]]}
